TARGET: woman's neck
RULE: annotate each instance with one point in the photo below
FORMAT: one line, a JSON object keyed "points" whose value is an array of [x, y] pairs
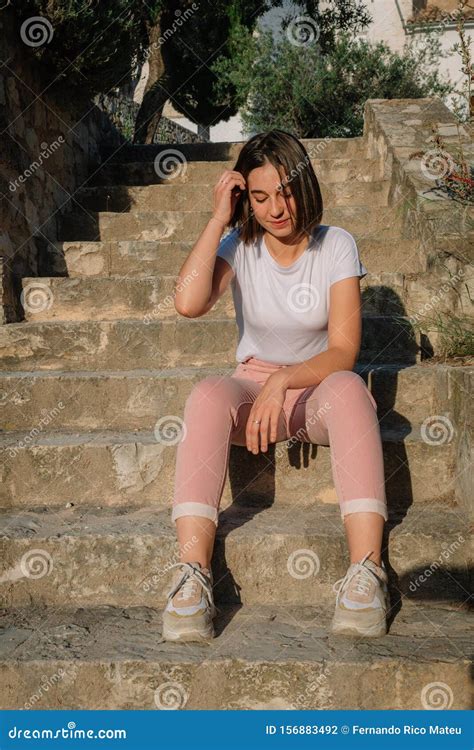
{"points": [[287, 249]]}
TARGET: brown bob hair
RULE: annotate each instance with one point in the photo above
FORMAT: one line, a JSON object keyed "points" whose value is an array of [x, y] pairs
{"points": [[283, 150]]}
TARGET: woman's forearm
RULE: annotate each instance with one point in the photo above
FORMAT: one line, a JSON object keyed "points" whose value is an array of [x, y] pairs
{"points": [[194, 283], [312, 371]]}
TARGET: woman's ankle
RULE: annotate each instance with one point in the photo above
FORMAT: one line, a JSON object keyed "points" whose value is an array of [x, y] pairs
{"points": [[202, 562]]}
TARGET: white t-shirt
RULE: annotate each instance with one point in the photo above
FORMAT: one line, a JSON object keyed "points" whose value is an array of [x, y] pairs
{"points": [[282, 313]]}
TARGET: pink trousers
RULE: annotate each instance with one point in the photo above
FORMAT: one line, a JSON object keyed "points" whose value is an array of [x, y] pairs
{"points": [[339, 412]]}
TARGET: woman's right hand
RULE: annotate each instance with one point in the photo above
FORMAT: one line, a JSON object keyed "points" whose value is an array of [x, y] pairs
{"points": [[227, 192]]}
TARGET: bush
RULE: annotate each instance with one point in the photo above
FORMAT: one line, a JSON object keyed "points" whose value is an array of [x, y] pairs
{"points": [[313, 94]]}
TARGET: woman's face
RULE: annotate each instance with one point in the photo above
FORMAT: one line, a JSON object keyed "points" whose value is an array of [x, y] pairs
{"points": [[273, 205]]}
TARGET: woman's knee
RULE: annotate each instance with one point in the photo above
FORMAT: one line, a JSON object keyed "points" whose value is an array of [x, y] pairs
{"points": [[212, 393], [344, 386]]}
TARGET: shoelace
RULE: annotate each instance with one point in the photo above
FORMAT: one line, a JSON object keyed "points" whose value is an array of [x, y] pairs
{"points": [[364, 580], [189, 582]]}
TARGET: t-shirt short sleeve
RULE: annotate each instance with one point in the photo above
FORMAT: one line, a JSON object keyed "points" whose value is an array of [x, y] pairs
{"points": [[228, 248], [345, 259]]}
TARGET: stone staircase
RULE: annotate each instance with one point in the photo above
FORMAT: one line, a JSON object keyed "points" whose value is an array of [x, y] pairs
{"points": [[94, 382]]}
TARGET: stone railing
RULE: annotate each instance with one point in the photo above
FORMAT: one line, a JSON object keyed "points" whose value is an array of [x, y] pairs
{"points": [[444, 232], [442, 227]]}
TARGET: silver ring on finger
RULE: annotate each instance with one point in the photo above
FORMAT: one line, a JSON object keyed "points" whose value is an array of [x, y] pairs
{"points": [[257, 421]]}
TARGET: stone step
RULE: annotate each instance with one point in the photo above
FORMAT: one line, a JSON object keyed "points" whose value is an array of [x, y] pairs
{"points": [[185, 342], [121, 198], [134, 258], [96, 400], [380, 221], [152, 298], [178, 171], [330, 171], [121, 557], [264, 657], [327, 148], [47, 466]]}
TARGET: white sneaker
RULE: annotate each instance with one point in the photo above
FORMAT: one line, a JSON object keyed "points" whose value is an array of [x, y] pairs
{"points": [[362, 600], [190, 608]]}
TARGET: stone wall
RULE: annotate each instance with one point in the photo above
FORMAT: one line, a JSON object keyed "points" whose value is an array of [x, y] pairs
{"points": [[49, 146], [443, 228]]}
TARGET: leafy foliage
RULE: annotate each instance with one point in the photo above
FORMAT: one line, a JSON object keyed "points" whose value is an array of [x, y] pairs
{"points": [[316, 93], [95, 43]]}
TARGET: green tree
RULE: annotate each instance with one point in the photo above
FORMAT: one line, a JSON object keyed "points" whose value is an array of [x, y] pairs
{"points": [[317, 92], [87, 46], [185, 61]]}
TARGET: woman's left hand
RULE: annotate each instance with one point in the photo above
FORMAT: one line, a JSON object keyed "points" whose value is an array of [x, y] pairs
{"points": [[266, 409]]}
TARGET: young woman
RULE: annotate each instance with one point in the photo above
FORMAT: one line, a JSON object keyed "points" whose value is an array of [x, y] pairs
{"points": [[295, 286]]}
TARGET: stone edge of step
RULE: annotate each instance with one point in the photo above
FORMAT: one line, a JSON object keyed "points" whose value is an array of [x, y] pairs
{"points": [[319, 520]]}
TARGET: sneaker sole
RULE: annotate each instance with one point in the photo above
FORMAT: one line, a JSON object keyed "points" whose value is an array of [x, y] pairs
{"points": [[185, 631], [348, 623]]}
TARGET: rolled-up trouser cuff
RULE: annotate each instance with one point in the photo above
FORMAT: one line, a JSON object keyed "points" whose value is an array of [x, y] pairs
{"points": [[194, 509], [364, 504]]}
